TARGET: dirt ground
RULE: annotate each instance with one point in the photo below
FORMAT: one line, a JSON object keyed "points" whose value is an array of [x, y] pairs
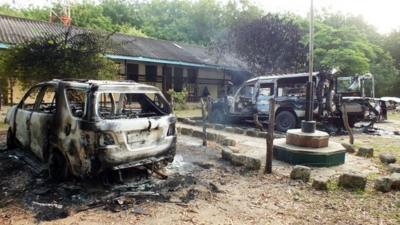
{"points": [[201, 189]]}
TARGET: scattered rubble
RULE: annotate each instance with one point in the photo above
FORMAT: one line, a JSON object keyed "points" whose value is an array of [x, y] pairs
{"points": [[395, 177], [365, 152], [300, 173], [353, 181], [387, 158]]}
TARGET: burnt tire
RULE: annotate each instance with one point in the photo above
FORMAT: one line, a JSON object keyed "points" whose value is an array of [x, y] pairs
{"points": [[57, 166], [10, 140], [217, 116], [284, 121]]}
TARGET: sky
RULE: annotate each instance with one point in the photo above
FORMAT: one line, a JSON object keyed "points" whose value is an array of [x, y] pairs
{"points": [[383, 14]]}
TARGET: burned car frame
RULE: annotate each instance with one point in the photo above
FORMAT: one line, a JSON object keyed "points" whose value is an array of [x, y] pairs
{"points": [[289, 93], [85, 127]]}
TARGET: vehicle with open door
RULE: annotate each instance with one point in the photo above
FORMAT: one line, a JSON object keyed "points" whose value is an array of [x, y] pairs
{"points": [[85, 127]]}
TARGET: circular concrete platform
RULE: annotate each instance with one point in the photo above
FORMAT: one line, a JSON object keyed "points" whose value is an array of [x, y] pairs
{"points": [[331, 155], [318, 139]]}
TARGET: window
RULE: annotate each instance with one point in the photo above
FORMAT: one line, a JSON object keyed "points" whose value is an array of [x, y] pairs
{"points": [[247, 91], [114, 105], [48, 101], [192, 76], [76, 100], [151, 73], [30, 99], [132, 71]]}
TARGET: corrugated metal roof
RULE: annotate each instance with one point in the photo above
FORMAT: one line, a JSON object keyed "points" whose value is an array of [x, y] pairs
{"points": [[15, 30]]}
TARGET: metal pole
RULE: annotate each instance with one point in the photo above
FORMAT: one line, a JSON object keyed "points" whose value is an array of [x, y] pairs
{"points": [[310, 95]]}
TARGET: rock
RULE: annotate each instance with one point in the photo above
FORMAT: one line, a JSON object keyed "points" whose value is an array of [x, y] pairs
{"points": [[251, 133], [229, 129], [353, 181], [387, 158], [395, 178], [262, 134], [198, 134], [239, 130], [300, 173], [320, 183], [383, 184], [211, 136], [396, 132], [237, 159], [219, 126], [349, 147], [365, 152], [228, 142], [186, 131], [191, 122], [394, 168]]}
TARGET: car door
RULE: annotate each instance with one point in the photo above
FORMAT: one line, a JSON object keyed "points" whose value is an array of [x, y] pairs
{"points": [[42, 119], [264, 94], [23, 116]]}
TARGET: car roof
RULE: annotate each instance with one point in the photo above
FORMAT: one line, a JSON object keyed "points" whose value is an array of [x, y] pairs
{"points": [[277, 76], [123, 85]]}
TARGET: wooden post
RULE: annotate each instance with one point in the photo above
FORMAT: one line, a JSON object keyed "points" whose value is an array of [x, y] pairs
{"points": [[270, 136], [346, 124], [257, 122], [204, 116]]}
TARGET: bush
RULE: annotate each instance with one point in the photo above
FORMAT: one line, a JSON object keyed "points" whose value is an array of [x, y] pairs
{"points": [[178, 98]]}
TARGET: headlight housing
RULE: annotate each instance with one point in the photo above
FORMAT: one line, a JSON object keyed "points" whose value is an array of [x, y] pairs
{"points": [[105, 139]]}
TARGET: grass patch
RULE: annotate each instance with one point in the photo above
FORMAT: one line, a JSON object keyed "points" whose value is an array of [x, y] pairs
{"points": [[3, 126], [381, 144], [188, 113], [394, 116]]}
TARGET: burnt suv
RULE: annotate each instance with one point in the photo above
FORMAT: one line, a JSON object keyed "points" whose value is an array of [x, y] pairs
{"points": [[289, 92], [85, 127]]}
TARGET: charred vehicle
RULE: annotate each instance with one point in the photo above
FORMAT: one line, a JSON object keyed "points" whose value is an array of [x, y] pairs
{"points": [[358, 94], [289, 92], [84, 127]]}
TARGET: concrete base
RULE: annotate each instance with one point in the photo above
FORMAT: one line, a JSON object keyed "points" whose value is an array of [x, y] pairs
{"points": [[297, 137], [333, 154]]}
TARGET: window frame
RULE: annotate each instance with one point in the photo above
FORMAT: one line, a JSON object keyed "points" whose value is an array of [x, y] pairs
{"points": [[21, 103], [40, 98]]}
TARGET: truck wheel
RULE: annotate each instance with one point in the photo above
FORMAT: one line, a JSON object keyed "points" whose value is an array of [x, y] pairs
{"points": [[57, 166], [10, 140], [285, 120], [217, 116]]}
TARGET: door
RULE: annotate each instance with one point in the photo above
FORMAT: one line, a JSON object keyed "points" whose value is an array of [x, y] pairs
{"points": [[264, 94], [23, 116], [42, 119]]}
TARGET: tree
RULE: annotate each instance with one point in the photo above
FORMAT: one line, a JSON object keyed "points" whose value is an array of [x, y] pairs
{"points": [[70, 54], [271, 44]]}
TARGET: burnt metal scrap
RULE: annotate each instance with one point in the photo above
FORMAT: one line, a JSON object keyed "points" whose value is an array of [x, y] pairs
{"points": [[289, 91], [84, 128]]}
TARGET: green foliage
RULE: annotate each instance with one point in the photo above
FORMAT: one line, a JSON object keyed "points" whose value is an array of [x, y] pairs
{"points": [[66, 55], [179, 98]]}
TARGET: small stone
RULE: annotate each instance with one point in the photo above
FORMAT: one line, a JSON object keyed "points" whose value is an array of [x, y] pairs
{"points": [[228, 142], [262, 134], [186, 131], [251, 133], [353, 181], [219, 126], [383, 184], [211, 136], [396, 132], [395, 177], [300, 173], [387, 158], [394, 168], [198, 134], [349, 147], [239, 130], [229, 129], [365, 152], [320, 183]]}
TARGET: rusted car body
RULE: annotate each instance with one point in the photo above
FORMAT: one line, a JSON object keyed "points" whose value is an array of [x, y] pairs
{"points": [[289, 92], [86, 127]]}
